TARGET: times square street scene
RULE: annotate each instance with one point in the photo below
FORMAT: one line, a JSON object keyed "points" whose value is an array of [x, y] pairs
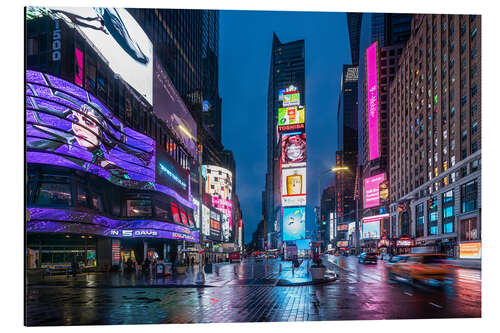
{"points": [[169, 177]]}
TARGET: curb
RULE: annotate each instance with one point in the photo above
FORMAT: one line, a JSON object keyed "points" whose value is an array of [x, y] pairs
{"points": [[130, 287]]}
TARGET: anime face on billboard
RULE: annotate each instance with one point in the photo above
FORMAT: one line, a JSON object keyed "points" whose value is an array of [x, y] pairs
{"points": [[67, 126]]}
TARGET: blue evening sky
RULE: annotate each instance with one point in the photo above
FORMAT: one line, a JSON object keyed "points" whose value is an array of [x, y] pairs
{"points": [[244, 60]]}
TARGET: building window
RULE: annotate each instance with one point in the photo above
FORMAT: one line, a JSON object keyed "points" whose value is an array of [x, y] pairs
{"points": [[432, 216], [469, 229], [448, 212], [474, 90], [53, 194], [419, 212], [468, 195], [473, 147], [139, 208]]}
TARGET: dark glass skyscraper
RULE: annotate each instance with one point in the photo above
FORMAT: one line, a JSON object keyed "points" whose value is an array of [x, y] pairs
{"points": [[287, 68], [354, 27]]}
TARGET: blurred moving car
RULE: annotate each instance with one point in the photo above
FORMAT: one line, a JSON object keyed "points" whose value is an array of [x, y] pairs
{"points": [[396, 259], [367, 257], [430, 269]]}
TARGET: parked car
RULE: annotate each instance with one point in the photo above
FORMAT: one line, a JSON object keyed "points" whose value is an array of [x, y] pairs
{"points": [[430, 269], [368, 257]]}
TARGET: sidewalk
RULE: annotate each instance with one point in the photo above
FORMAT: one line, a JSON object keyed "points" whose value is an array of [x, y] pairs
{"points": [[249, 272]]}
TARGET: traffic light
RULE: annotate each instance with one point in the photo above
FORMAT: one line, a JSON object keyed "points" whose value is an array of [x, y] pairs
{"points": [[430, 203]]}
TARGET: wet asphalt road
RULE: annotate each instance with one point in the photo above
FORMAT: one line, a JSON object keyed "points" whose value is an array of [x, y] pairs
{"points": [[361, 292]]}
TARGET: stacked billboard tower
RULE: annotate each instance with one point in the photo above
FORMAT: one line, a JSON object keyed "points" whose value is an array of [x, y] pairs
{"points": [[291, 131]]}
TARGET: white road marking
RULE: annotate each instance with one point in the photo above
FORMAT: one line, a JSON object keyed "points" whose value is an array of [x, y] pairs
{"points": [[436, 305], [407, 293]]}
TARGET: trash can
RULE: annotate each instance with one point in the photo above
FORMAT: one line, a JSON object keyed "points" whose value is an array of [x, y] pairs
{"points": [[208, 268]]}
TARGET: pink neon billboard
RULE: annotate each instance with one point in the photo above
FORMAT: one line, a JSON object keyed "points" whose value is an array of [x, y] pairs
{"points": [[372, 192], [372, 97]]}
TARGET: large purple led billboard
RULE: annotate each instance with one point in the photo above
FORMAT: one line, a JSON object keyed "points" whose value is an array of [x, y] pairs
{"points": [[75, 222], [67, 126], [372, 100]]}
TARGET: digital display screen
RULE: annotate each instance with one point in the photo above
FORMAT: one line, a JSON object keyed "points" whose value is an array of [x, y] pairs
{"points": [[219, 184], [184, 217], [342, 227], [372, 190], [343, 244], [293, 149], [291, 115], [370, 228], [470, 250], [171, 174], [215, 226], [175, 212], [226, 231], [66, 126], [196, 212], [169, 107], [291, 98], [294, 223], [205, 218], [76, 222], [118, 37], [372, 97], [293, 187]]}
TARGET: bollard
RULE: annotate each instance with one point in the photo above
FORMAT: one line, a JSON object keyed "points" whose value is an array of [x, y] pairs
{"points": [[234, 269], [293, 269], [217, 270], [308, 266], [280, 267]]}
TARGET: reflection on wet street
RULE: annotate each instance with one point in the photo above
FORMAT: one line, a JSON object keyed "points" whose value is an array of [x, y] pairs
{"points": [[361, 292]]}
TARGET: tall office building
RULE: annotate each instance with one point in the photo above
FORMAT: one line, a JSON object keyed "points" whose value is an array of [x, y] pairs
{"points": [[347, 143], [354, 28], [382, 39], [435, 150], [286, 78]]}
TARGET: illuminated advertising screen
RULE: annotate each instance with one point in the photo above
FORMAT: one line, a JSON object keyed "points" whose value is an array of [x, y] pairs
{"points": [[352, 227], [169, 107], [293, 149], [470, 250], [219, 184], [175, 213], [205, 218], [372, 190], [370, 227], [343, 243], [171, 174], [294, 223], [66, 126], [372, 100], [215, 226], [342, 227], [82, 223], [115, 34], [293, 187], [196, 212], [291, 115], [226, 231], [291, 98]]}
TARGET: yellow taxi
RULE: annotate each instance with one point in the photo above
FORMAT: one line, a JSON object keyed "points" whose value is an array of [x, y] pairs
{"points": [[430, 268]]}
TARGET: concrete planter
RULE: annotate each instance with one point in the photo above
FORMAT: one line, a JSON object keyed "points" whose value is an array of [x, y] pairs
{"points": [[181, 269], [318, 273]]}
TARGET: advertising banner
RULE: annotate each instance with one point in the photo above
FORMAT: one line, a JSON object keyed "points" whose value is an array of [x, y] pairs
{"points": [[372, 190], [343, 243], [291, 98], [219, 184], [215, 226], [372, 97], [66, 126], [119, 38], [291, 115], [171, 174], [226, 231], [342, 227], [294, 226], [370, 226], [169, 107], [84, 223], [293, 149], [205, 218], [470, 250], [293, 187], [352, 227]]}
